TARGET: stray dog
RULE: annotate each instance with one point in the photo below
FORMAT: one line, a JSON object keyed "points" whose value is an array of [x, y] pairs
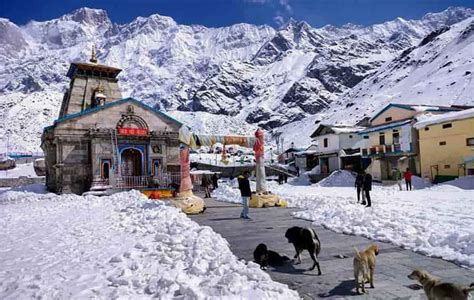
{"points": [[265, 257], [435, 289], [305, 238], [364, 267]]}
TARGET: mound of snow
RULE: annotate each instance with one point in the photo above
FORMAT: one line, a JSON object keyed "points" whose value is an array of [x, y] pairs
{"points": [[339, 178], [228, 192], [122, 246], [315, 171], [419, 183], [465, 182], [303, 179]]}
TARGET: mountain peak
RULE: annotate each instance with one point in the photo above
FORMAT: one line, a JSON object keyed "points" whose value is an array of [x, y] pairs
{"points": [[293, 24], [87, 15], [449, 16]]}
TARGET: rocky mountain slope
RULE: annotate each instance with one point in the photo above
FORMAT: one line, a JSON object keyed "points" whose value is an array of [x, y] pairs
{"points": [[249, 73]]}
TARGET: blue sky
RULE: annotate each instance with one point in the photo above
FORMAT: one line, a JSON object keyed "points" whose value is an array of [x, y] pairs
{"points": [[215, 13]]}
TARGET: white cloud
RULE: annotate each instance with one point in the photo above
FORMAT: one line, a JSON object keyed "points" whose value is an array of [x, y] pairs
{"points": [[279, 20], [286, 5]]}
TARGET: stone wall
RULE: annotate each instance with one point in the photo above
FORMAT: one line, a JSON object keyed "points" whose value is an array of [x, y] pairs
{"points": [[82, 90]]}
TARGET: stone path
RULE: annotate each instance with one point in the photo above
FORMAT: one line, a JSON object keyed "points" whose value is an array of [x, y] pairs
{"points": [[269, 225]]}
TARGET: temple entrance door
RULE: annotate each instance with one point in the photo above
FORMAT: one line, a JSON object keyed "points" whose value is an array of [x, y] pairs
{"points": [[131, 162]]}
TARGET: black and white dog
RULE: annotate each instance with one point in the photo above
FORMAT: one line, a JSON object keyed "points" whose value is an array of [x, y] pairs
{"points": [[265, 257], [305, 238]]}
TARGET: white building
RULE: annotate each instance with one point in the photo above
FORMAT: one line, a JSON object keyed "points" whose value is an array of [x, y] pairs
{"points": [[337, 146]]}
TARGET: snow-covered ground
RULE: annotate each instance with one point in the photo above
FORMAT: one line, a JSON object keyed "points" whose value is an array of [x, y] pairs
{"points": [[122, 246], [26, 170], [436, 221]]}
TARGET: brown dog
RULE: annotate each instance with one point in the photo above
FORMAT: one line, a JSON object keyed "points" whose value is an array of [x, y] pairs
{"points": [[435, 289], [364, 267]]}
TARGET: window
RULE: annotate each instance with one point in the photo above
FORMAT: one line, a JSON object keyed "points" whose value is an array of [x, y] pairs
{"points": [[382, 138], [350, 136], [325, 141], [443, 143], [449, 125], [396, 137], [427, 128], [388, 119], [447, 166], [470, 141], [366, 137]]}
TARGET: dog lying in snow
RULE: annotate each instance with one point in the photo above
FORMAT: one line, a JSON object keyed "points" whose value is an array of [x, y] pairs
{"points": [[364, 267], [265, 257], [437, 290], [305, 239]]}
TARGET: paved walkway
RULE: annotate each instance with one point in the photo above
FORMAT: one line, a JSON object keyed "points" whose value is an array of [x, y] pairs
{"points": [[269, 225]]}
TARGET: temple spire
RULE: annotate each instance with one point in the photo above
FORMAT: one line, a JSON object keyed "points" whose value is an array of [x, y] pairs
{"points": [[93, 55]]}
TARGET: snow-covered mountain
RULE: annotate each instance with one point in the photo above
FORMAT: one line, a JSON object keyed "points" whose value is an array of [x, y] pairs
{"points": [[252, 74], [438, 71]]}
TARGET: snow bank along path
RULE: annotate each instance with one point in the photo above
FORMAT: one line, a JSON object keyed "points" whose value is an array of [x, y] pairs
{"points": [[119, 246], [436, 222]]}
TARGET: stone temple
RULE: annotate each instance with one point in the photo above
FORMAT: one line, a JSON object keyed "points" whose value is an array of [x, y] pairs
{"points": [[103, 141]]}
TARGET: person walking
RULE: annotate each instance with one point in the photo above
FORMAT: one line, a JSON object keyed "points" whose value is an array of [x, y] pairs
{"points": [[205, 183], [214, 180], [398, 177], [408, 175], [245, 192], [367, 189], [359, 185]]}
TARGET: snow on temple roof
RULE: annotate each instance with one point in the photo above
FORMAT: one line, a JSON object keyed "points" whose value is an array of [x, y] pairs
{"points": [[430, 119]]}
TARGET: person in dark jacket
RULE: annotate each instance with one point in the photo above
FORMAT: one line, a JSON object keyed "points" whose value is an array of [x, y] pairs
{"points": [[367, 188], [245, 192], [359, 185], [214, 180], [205, 183]]}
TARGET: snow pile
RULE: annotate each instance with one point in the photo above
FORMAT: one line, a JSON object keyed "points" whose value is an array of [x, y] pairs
{"points": [[315, 171], [339, 178], [122, 246], [303, 179], [228, 193], [465, 182], [434, 222], [419, 183]]}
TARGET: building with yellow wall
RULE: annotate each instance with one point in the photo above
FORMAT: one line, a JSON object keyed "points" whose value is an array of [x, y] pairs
{"points": [[446, 145], [391, 142]]}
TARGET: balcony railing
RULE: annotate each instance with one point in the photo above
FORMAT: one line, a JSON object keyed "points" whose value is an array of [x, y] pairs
{"points": [[382, 149]]}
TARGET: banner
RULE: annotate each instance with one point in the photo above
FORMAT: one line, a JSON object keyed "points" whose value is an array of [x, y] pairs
{"points": [[132, 131]]}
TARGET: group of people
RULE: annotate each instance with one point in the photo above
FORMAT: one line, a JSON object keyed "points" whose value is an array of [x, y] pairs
{"points": [[363, 184], [207, 181], [407, 175]]}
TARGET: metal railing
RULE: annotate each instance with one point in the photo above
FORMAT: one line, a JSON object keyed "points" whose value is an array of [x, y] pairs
{"points": [[131, 182], [163, 180], [379, 149]]}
